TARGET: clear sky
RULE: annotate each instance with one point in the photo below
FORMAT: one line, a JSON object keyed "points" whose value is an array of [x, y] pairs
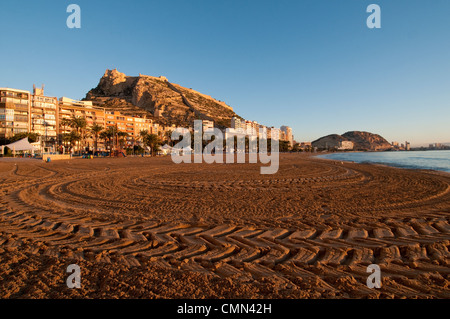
{"points": [[309, 64]]}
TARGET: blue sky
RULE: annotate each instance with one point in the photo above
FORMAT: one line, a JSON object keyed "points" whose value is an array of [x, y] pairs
{"points": [[310, 64]]}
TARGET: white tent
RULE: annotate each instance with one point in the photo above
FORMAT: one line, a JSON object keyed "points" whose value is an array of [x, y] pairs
{"points": [[182, 151], [187, 150], [21, 145], [166, 149]]}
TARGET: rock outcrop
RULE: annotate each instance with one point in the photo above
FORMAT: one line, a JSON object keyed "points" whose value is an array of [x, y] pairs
{"points": [[361, 141], [166, 101], [367, 141]]}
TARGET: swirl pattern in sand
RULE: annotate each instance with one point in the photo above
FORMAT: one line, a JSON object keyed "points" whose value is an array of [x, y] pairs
{"points": [[308, 231]]}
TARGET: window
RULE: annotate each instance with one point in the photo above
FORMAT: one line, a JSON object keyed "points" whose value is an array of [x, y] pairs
{"points": [[21, 118]]}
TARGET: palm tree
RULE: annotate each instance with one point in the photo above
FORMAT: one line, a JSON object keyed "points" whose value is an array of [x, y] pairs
{"points": [[121, 136], [153, 142], [71, 137], [32, 137], [96, 129], [168, 136], [79, 123], [65, 122], [108, 135], [142, 135]]}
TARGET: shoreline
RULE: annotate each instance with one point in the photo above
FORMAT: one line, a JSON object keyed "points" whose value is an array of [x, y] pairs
{"points": [[382, 163]]}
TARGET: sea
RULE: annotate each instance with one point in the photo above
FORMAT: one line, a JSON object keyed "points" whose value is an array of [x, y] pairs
{"points": [[434, 160]]}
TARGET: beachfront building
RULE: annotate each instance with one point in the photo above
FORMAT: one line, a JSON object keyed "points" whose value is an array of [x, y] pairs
{"points": [[395, 145], [287, 135], [122, 123], [236, 123], [141, 124], [69, 108], [207, 125], [251, 128], [273, 133], [132, 126], [15, 109], [156, 129], [305, 145], [44, 118]]}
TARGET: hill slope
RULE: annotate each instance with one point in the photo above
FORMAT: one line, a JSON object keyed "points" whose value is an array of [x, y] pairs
{"points": [[361, 141], [156, 95]]}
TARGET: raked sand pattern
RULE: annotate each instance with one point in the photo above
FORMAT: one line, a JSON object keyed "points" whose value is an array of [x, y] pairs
{"points": [[148, 228]]}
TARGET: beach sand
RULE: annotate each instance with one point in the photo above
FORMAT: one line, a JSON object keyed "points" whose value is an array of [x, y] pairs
{"points": [[149, 228]]}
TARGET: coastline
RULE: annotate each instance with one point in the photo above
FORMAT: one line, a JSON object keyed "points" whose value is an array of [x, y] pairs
{"points": [[393, 164]]}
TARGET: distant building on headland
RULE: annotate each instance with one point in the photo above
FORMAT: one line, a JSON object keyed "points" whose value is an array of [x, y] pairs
{"points": [[407, 146], [396, 146], [333, 142], [438, 146], [345, 145]]}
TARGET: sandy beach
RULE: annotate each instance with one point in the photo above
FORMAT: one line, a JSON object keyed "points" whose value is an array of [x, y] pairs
{"points": [[149, 228]]}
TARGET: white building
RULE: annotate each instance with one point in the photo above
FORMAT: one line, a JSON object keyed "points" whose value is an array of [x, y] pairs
{"points": [[207, 125], [288, 134], [235, 123], [345, 145]]}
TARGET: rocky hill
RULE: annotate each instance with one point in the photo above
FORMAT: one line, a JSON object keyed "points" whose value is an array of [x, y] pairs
{"points": [[367, 141], [361, 141], [159, 98]]}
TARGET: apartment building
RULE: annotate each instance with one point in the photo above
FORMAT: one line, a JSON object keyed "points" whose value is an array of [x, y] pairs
{"points": [[131, 125], [207, 125], [15, 111], [44, 117], [287, 135], [273, 133], [69, 108], [407, 146], [141, 124], [250, 127], [235, 123]]}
